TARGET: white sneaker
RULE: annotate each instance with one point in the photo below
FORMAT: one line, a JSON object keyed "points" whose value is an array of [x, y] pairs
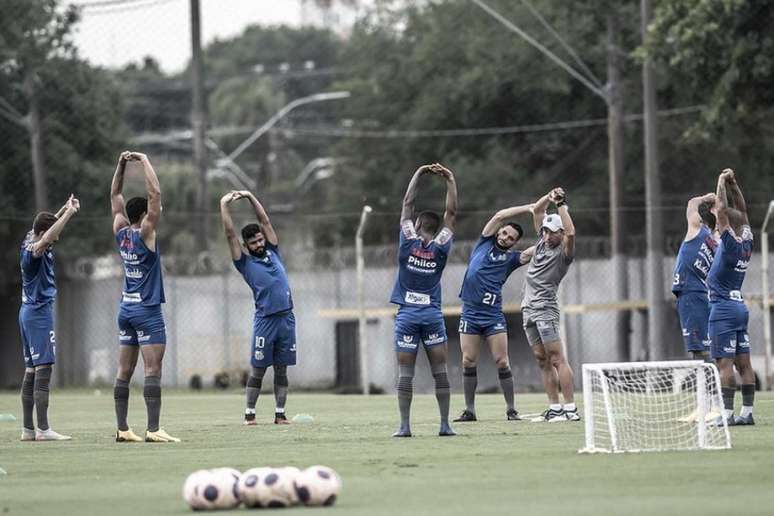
{"points": [[50, 435], [27, 434]]}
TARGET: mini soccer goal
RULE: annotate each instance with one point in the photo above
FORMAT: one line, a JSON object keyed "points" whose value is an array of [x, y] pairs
{"points": [[653, 406]]}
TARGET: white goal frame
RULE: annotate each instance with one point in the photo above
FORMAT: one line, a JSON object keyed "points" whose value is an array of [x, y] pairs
{"points": [[706, 376]]}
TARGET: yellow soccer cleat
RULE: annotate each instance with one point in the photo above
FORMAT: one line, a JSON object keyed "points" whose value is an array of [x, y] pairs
{"points": [[160, 436], [127, 436]]}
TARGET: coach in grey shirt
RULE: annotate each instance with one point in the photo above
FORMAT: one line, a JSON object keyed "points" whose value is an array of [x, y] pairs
{"points": [[550, 259]]}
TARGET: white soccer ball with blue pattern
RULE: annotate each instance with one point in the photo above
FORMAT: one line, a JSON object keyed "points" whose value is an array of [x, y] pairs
{"points": [[212, 489], [191, 492], [318, 485], [249, 487]]}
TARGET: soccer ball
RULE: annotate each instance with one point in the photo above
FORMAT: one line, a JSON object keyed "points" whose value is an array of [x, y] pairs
{"points": [[318, 485], [211, 489], [249, 487], [191, 489]]}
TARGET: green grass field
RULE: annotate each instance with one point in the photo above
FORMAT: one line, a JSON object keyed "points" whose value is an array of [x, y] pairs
{"points": [[493, 467]]}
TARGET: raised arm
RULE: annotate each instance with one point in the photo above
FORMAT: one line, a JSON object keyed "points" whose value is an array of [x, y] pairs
{"points": [[721, 202], [153, 189], [116, 195], [499, 218], [407, 212], [559, 198], [736, 195], [263, 218], [692, 213], [539, 211], [52, 234], [228, 225], [450, 212]]}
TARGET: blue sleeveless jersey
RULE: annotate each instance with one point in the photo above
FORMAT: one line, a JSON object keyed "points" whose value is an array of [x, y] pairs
{"points": [[38, 280], [143, 284], [420, 268], [730, 265], [268, 280], [694, 260], [487, 272]]}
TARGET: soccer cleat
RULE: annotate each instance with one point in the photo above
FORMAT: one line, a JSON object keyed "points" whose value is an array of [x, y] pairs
{"points": [[446, 430], [572, 415], [127, 436], [466, 416], [403, 431], [280, 419], [551, 416], [718, 421], [159, 436], [513, 415], [50, 435], [27, 434], [250, 420], [744, 420]]}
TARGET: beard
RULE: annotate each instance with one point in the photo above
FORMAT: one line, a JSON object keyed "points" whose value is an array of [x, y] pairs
{"points": [[260, 253], [500, 246]]}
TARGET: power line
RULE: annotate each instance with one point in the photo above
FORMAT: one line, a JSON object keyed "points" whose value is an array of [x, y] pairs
{"points": [[117, 6], [532, 41], [564, 44]]}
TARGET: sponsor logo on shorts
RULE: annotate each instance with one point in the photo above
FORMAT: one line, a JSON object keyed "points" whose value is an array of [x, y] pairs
{"points": [[499, 326], [686, 333], [123, 336], [407, 341], [258, 354], [746, 342], [416, 298], [434, 338], [141, 337], [731, 348]]}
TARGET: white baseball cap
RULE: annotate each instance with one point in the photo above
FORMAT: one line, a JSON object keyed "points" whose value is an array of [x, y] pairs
{"points": [[553, 222]]}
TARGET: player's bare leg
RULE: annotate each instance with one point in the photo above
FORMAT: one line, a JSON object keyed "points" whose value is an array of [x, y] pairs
{"points": [[438, 356], [127, 361], [550, 382], [252, 392], [28, 404], [745, 369], [152, 357], [280, 394], [406, 363], [470, 346], [498, 345], [566, 379]]}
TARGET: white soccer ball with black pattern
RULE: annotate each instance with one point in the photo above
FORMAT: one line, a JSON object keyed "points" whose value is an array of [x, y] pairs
{"points": [[318, 485], [212, 489], [249, 487]]}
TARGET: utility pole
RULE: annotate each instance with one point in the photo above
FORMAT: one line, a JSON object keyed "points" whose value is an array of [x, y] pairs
{"points": [[615, 136], [199, 125], [654, 228]]}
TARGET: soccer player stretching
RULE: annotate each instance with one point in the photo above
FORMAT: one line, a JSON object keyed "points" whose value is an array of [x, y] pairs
{"points": [[730, 343], [551, 258], [491, 262], [422, 257], [689, 283], [274, 326], [140, 321], [36, 318]]}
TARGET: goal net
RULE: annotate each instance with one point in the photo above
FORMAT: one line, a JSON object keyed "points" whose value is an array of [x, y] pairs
{"points": [[653, 406]]}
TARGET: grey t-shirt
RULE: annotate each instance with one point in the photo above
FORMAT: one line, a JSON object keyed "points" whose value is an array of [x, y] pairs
{"points": [[546, 270]]}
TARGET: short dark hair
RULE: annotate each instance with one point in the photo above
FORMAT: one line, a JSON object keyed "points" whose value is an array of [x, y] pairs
{"points": [[707, 216], [518, 229], [429, 221], [43, 221], [135, 208], [736, 220], [250, 230]]}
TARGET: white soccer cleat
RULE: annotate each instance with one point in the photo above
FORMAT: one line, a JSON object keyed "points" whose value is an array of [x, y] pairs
{"points": [[50, 435], [27, 434]]}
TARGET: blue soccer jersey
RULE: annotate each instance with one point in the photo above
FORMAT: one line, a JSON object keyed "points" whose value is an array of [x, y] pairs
{"points": [[487, 272], [143, 283], [268, 280], [729, 267], [694, 260], [38, 279], [420, 268]]}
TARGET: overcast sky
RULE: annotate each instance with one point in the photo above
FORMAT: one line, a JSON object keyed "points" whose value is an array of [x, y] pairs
{"points": [[120, 33]]}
